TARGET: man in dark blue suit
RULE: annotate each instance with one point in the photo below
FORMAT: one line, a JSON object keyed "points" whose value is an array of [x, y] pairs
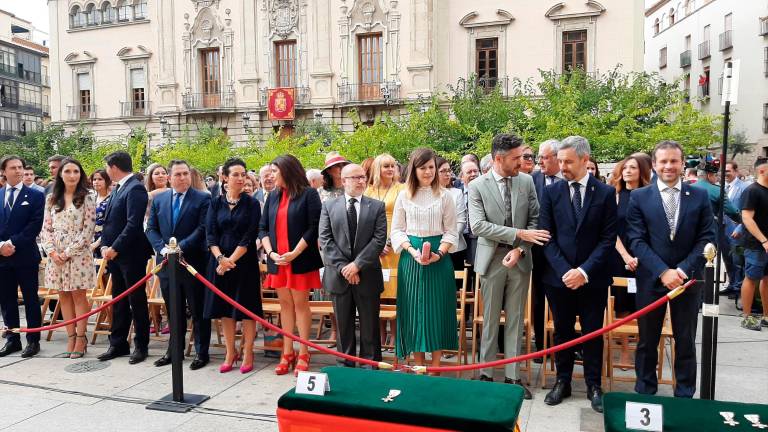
{"points": [[668, 224], [548, 173], [580, 214], [127, 249], [21, 219], [181, 212]]}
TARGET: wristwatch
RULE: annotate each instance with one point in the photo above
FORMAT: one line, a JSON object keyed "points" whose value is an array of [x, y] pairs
{"points": [[522, 252]]}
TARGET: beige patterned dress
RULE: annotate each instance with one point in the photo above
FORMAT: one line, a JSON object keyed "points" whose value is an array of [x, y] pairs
{"points": [[70, 231]]}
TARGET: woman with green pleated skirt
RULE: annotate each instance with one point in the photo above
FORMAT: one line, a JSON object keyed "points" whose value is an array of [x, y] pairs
{"points": [[426, 291]]}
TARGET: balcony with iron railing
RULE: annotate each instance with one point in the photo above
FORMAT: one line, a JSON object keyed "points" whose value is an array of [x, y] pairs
{"points": [[491, 83], [726, 40], [137, 108], [81, 112], [704, 50], [387, 92], [22, 105], [763, 26], [685, 59], [209, 101], [15, 72], [302, 94]]}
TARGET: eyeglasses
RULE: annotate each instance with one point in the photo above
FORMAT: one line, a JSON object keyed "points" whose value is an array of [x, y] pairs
{"points": [[529, 157], [444, 171], [356, 178]]}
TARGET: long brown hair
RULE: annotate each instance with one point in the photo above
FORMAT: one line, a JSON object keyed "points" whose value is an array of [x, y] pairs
{"points": [[81, 190], [420, 157], [150, 182], [643, 165], [293, 174]]}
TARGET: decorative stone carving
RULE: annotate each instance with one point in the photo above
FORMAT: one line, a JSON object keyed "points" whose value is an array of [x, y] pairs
{"points": [[199, 4], [207, 31], [284, 16]]}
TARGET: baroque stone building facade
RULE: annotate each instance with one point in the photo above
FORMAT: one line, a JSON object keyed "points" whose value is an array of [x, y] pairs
{"points": [[168, 65]]}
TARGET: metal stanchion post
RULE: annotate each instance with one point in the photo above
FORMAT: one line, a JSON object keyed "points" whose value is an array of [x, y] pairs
{"points": [[177, 401], [709, 323]]}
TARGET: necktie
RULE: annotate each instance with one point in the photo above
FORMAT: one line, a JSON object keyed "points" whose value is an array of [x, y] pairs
{"points": [[551, 179], [576, 200], [508, 220], [670, 208], [176, 207], [352, 219], [9, 202]]}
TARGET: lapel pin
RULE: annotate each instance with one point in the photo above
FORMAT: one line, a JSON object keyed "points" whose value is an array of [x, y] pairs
{"points": [[687, 193], [728, 416]]}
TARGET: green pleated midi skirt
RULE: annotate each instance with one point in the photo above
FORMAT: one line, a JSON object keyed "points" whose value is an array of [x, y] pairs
{"points": [[426, 303]]}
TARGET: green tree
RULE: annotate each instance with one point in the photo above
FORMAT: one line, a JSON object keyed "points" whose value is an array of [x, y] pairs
{"points": [[205, 150]]}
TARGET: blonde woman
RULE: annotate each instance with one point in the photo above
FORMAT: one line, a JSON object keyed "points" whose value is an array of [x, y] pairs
{"points": [[385, 186]]}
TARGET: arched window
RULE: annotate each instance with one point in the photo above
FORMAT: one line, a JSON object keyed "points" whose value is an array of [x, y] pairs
{"points": [[123, 10], [139, 9], [108, 13], [91, 15], [672, 17], [656, 26], [75, 17]]}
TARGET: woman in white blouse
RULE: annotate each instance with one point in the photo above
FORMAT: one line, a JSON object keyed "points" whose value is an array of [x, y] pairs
{"points": [[426, 293], [445, 174]]}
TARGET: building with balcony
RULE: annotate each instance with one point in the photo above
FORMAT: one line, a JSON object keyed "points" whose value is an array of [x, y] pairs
{"points": [[24, 86], [706, 34], [172, 64]]}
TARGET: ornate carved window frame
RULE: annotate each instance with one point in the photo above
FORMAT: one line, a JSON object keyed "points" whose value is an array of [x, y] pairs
{"points": [[487, 30], [366, 17], [208, 31], [135, 58], [583, 20]]}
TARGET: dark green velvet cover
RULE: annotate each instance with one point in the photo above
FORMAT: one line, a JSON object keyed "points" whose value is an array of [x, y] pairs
{"points": [[682, 414], [437, 402]]}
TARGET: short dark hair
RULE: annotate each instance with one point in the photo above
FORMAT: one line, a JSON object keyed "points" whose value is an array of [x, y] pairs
{"points": [[233, 162], [293, 174], [9, 158], [666, 145], [175, 162], [505, 142], [56, 158], [121, 160], [761, 161], [28, 168], [733, 164]]}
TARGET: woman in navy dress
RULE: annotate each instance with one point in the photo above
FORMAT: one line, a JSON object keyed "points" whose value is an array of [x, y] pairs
{"points": [[629, 174], [233, 221]]}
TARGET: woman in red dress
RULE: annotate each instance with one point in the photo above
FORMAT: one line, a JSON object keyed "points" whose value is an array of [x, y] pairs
{"points": [[288, 232]]}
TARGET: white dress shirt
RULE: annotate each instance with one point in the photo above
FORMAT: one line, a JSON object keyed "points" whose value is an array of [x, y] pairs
{"points": [[500, 182], [15, 193]]}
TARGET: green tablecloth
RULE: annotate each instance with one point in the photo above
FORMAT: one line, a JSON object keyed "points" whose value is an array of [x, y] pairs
{"points": [[436, 402], [680, 414]]}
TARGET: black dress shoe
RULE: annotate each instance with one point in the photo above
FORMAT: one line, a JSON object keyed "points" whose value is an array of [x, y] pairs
{"points": [[485, 378], [31, 350], [163, 361], [198, 362], [595, 396], [113, 353], [526, 393], [10, 347], [137, 356], [560, 391]]}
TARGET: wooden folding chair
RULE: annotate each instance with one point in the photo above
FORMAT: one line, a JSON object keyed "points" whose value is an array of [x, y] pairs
{"points": [[388, 310], [103, 321], [156, 303], [461, 301], [631, 330], [56, 314]]}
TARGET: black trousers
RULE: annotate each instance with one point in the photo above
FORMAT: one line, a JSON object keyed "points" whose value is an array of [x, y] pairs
{"points": [[537, 296], [684, 312], [588, 302], [133, 308], [193, 293], [366, 304], [26, 278]]}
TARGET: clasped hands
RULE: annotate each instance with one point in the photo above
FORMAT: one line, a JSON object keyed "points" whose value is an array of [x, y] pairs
{"points": [[225, 264], [351, 273], [433, 257], [673, 278], [59, 258], [574, 279], [7, 249]]}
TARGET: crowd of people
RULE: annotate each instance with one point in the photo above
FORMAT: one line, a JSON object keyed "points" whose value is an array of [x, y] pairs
{"points": [[561, 228]]}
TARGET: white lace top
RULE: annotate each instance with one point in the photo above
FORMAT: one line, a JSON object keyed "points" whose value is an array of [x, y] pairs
{"points": [[424, 215]]}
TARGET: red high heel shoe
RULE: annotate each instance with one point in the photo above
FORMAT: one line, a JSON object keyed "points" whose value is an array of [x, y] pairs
{"points": [[301, 368], [284, 368], [226, 367]]}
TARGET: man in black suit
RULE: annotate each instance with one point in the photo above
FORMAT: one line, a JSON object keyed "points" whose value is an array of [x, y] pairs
{"points": [[217, 187], [548, 173], [668, 224], [580, 214], [181, 212], [21, 219], [353, 232], [126, 248]]}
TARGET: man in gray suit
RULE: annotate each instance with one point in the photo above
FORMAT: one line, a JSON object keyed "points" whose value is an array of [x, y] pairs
{"points": [[504, 212], [353, 232]]}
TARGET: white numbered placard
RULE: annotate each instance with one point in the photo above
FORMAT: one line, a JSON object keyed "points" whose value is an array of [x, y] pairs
{"points": [[631, 285], [385, 274], [644, 417], [314, 383]]}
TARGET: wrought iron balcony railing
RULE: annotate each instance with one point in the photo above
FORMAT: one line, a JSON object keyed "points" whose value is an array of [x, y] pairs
{"points": [[209, 101], [81, 112], [137, 108], [387, 92]]}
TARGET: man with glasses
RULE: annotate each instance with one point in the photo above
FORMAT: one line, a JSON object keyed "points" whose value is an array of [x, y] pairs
{"points": [[529, 160], [353, 232]]}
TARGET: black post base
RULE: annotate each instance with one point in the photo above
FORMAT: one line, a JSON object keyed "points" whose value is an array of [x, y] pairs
{"points": [[169, 405]]}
